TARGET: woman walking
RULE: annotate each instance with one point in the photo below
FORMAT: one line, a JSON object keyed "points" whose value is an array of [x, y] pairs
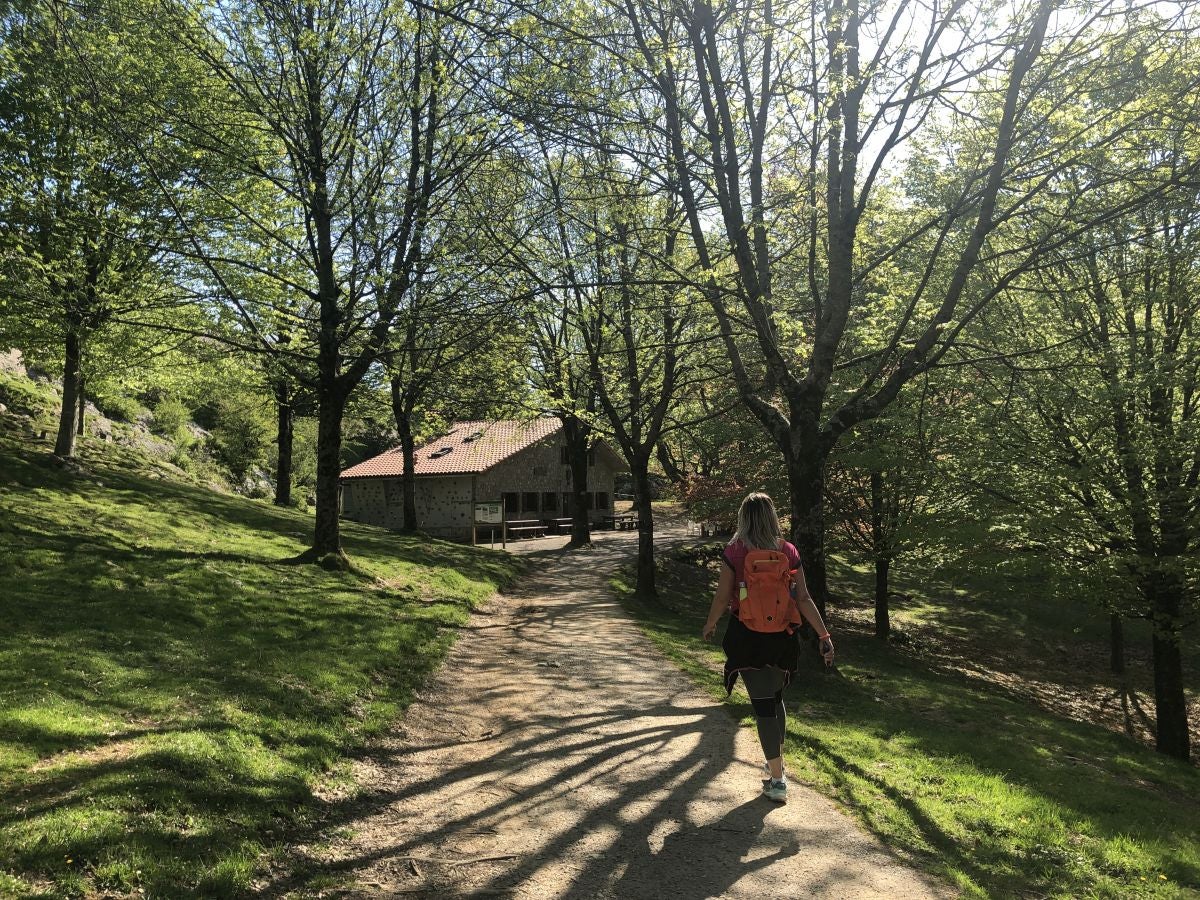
{"points": [[764, 652]]}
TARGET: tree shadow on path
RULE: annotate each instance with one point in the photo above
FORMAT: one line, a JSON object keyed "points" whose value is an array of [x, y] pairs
{"points": [[708, 860]]}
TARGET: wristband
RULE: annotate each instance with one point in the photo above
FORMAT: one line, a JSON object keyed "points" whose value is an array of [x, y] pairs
{"points": [[823, 637]]}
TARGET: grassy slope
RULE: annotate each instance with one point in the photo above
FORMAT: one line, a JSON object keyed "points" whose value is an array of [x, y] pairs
{"points": [[171, 695], [972, 782]]}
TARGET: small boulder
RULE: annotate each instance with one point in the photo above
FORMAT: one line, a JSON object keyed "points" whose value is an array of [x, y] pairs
{"points": [[255, 484], [100, 427]]}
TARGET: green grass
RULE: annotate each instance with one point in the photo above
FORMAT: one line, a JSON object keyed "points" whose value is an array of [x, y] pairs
{"points": [[1013, 616], [969, 781], [172, 695]]}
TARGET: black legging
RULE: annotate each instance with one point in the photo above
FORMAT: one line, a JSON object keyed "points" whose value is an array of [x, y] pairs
{"points": [[765, 687]]}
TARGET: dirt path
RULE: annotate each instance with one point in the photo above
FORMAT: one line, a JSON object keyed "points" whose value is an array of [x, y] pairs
{"points": [[557, 755]]}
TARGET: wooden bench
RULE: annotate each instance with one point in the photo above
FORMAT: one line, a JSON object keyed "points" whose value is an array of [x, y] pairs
{"points": [[556, 526], [527, 529]]}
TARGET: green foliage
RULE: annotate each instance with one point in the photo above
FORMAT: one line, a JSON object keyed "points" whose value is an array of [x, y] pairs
{"points": [[183, 460], [121, 408], [724, 454], [1043, 806], [241, 434], [304, 455], [171, 418], [173, 694], [85, 222]]}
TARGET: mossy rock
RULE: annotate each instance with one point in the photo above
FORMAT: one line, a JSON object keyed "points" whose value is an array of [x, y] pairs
{"points": [[22, 397]]}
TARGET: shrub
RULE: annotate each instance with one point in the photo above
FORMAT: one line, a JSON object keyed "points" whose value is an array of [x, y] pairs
{"points": [[122, 409], [170, 418], [241, 436], [183, 460]]}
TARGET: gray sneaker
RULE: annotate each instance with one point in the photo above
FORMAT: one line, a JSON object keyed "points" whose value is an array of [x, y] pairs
{"points": [[775, 790]]}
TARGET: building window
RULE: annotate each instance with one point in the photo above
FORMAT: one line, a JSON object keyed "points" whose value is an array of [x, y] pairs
{"points": [[393, 491], [602, 500], [566, 498], [549, 501], [591, 500], [512, 505], [529, 501], [347, 497], [592, 456], [564, 455]]}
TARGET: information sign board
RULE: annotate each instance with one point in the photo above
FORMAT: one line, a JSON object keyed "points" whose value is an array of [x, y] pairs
{"points": [[490, 513]]}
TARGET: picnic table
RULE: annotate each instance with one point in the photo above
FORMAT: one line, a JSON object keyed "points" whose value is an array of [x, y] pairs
{"points": [[621, 521], [520, 528], [557, 525]]}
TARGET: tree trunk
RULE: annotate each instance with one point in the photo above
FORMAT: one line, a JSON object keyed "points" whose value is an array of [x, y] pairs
{"points": [[883, 621], [670, 467], [1116, 639], [285, 431], [327, 533], [645, 587], [576, 436], [82, 407], [806, 485], [408, 480], [1165, 593], [64, 445], [408, 450]]}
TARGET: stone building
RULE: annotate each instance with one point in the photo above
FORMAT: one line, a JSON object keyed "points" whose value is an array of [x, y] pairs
{"points": [[520, 463]]}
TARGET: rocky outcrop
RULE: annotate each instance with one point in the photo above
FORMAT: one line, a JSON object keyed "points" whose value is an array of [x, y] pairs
{"points": [[12, 363]]}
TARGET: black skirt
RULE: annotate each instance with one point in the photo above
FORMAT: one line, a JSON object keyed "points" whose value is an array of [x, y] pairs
{"points": [[746, 649]]}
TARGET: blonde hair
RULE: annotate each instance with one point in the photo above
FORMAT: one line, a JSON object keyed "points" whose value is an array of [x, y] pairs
{"points": [[758, 523]]}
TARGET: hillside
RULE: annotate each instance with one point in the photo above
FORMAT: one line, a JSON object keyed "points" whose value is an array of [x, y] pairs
{"points": [[175, 699]]}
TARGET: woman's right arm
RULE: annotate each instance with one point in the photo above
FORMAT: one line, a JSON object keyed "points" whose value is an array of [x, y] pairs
{"points": [[721, 601], [808, 609]]}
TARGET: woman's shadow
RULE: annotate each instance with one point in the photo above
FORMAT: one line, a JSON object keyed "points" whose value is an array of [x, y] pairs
{"points": [[705, 861]]}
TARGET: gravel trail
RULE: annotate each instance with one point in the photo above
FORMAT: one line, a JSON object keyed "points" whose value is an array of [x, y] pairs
{"points": [[557, 755]]}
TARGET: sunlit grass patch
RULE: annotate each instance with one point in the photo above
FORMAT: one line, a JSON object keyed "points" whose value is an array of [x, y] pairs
{"points": [[172, 692]]}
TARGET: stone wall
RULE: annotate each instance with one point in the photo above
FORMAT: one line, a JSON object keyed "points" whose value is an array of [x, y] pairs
{"points": [[443, 503], [540, 470]]}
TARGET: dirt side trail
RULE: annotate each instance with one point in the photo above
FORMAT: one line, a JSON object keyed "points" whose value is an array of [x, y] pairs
{"points": [[556, 755]]}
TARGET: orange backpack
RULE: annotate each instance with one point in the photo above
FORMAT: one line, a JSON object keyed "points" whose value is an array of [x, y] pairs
{"points": [[767, 604]]}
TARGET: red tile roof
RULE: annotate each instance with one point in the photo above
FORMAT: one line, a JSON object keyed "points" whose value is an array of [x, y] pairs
{"points": [[473, 447]]}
